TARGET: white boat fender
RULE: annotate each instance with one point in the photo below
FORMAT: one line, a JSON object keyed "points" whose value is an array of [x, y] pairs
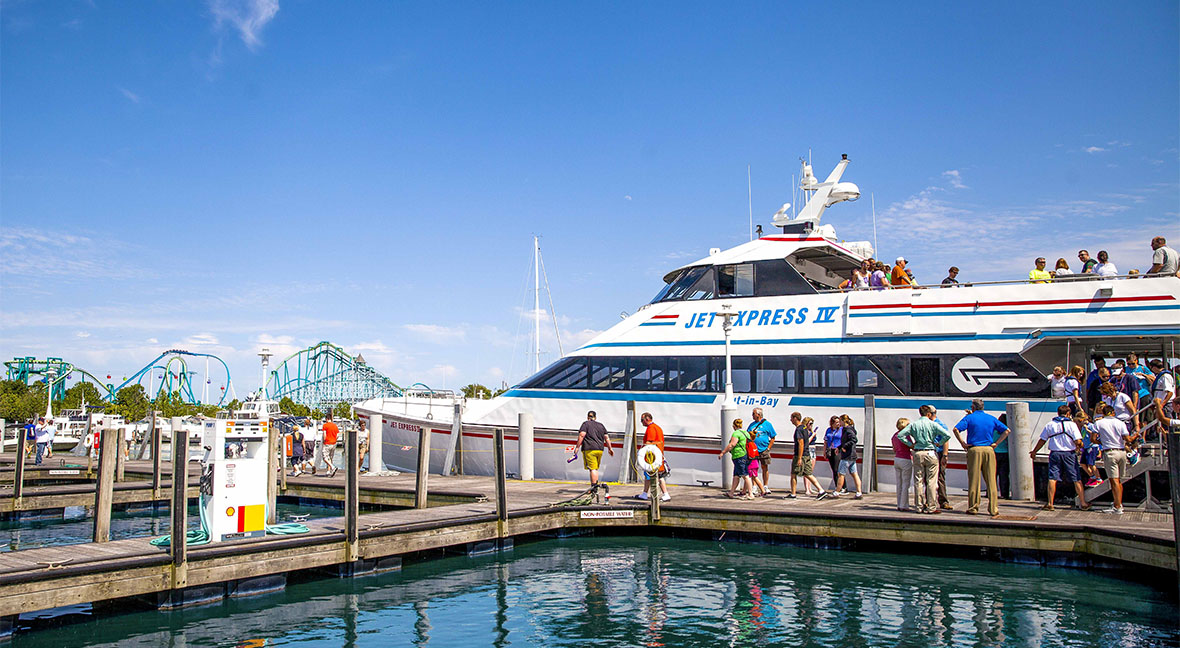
{"points": [[649, 458]]}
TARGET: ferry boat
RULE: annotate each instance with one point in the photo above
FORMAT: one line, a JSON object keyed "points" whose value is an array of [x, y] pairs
{"points": [[798, 343]]}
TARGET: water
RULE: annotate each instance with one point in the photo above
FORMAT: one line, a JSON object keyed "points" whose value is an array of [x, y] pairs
{"points": [[605, 592], [77, 525]]}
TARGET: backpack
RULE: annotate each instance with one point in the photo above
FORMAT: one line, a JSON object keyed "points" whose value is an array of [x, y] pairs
{"points": [[751, 447]]}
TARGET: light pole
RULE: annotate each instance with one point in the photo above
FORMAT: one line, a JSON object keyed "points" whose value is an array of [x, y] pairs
{"points": [[728, 408], [51, 374], [265, 354]]}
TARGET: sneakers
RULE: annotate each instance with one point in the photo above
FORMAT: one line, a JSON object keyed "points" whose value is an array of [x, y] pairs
{"points": [[747, 496], [1113, 511], [1094, 481], [666, 497], [643, 496], [858, 495], [791, 496], [822, 496]]}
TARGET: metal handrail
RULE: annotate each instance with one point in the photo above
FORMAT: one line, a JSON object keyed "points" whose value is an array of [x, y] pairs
{"points": [[1005, 282]]}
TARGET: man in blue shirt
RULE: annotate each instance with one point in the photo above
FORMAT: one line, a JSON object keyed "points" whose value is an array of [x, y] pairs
{"points": [[764, 439], [981, 429]]}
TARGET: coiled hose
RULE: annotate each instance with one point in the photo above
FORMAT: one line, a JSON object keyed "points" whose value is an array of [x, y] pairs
{"points": [[201, 536]]}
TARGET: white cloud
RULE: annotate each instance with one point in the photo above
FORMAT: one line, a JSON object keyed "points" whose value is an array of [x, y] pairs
{"points": [[627, 197], [131, 96], [437, 333], [26, 251], [248, 17], [201, 339], [82, 334], [152, 341], [954, 178], [1094, 149]]}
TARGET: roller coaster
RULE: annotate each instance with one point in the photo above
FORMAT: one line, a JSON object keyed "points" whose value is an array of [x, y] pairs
{"points": [[168, 373], [320, 376], [56, 372], [324, 375]]}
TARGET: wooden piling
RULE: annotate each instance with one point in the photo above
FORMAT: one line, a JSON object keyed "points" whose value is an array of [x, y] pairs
{"points": [[178, 546], [423, 467], [121, 450], [627, 461], [104, 490], [272, 454], [352, 509], [18, 484], [501, 475], [157, 460]]}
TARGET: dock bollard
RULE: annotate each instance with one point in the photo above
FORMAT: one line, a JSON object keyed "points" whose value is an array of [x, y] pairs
{"points": [[1019, 444], [524, 440], [376, 444], [728, 416]]}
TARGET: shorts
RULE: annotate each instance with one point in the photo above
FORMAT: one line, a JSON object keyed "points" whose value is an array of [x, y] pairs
{"points": [[295, 460], [801, 466], [741, 466], [764, 459], [1115, 461], [752, 470], [1090, 457], [1063, 466], [592, 459], [847, 467], [362, 447]]}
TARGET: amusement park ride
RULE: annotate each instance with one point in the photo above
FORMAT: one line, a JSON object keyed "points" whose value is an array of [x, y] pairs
{"points": [[319, 376]]}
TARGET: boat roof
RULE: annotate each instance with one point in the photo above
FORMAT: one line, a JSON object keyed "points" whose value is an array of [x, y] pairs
{"points": [[821, 247]]}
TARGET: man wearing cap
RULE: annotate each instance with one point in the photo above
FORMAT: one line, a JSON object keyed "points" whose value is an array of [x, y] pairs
{"points": [[45, 433], [899, 276]]}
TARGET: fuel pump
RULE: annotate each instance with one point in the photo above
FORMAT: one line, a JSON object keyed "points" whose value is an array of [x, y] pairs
{"points": [[233, 478]]}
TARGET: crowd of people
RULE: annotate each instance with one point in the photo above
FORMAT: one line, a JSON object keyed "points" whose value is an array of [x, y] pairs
{"points": [[308, 443], [878, 275]]}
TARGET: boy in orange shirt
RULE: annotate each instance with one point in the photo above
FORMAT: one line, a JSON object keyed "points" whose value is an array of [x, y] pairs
{"points": [[654, 435]]}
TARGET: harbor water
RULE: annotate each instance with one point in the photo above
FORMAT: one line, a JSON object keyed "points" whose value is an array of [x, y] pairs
{"points": [[76, 524], [640, 591]]}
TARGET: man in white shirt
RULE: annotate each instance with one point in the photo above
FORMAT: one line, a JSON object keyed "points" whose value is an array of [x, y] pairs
{"points": [[1064, 439], [1163, 385], [1105, 268], [1164, 261], [45, 432], [1057, 383], [1113, 435]]}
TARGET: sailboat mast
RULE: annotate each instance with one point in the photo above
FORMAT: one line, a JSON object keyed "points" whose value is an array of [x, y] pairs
{"points": [[536, 305]]}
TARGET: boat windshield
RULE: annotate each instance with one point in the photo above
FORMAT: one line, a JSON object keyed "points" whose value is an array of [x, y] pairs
{"points": [[690, 284]]}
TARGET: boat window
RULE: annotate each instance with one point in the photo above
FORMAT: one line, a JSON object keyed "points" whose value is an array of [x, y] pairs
{"points": [[925, 376], [777, 277], [775, 375], [608, 373], [869, 380], [735, 280], [824, 375], [692, 284], [743, 373], [688, 374], [567, 373], [647, 374]]}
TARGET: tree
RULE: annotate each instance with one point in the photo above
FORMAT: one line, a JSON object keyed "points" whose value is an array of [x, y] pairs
{"points": [[499, 391], [83, 391], [132, 403], [343, 410], [21, 402], [476, 390], [289, 406], [233, 405]]}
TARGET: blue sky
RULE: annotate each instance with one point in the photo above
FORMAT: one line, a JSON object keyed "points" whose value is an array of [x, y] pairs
{"points": [[226, 175]]}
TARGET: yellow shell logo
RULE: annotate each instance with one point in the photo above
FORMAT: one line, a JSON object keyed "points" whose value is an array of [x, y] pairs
{"points": [[230, 511]]}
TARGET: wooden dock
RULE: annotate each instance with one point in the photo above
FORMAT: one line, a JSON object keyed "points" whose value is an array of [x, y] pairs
{"points": [[463, 514]]}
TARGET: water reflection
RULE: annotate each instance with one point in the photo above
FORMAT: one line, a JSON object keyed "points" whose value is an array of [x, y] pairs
{"points": [[665, 592]]}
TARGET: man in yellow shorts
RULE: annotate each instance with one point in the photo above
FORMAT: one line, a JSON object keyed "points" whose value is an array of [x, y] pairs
{"points": [[592, 439]]}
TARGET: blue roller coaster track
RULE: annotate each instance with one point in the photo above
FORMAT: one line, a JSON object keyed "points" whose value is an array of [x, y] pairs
{"points": [[56, 372], [177, 378], [324, 375]]}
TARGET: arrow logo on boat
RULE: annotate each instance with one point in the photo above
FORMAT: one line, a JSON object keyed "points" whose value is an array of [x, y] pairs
{"points": [[972, 375]]}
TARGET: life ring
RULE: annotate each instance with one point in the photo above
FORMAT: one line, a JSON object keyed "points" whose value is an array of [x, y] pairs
{"points": [[89, 440], [649, 458]]}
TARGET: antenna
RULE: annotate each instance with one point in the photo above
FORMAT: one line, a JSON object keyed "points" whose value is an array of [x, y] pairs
{"points": [[873, 197], [750, 194], [536, 304], [552, 310]]}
